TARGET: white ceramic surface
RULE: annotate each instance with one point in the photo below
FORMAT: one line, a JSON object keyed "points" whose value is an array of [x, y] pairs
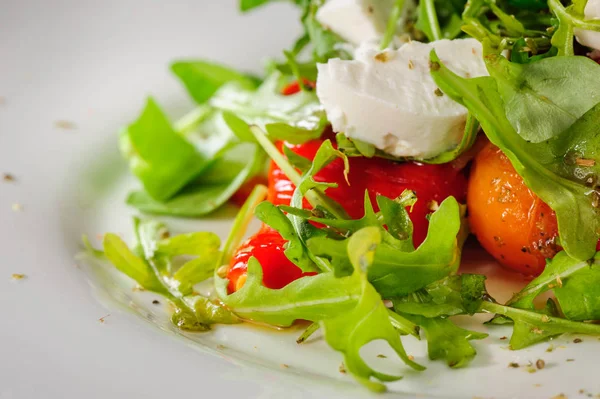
{"points": [[92, 63]]}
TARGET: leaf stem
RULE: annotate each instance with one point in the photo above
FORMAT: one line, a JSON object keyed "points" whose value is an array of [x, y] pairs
{"points": [[390, 28], [403, 325], [431, 12], [276, 156], [522, 314], [191, 120], [310, 330], [240, 224]]}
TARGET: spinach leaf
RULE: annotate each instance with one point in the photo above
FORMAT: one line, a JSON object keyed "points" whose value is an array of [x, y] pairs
{"points": [[578, 220], [210, 191], [202, 79], [162, 160]]}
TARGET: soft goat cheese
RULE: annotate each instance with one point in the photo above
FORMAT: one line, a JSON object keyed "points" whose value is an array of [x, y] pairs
{"points": [[356, 20], [390, 100], [587, 37]]}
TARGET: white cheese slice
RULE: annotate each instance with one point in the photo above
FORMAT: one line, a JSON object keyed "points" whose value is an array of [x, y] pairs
{"points": [[390, 100], [587, 37], [356, 20]]}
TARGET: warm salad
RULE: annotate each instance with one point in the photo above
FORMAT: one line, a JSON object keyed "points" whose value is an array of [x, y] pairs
{"points": [[390, 130]]}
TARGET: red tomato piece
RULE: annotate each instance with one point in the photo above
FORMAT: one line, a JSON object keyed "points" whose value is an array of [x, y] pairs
{"points": [[432, 184], [294, 87], [267, 247]]}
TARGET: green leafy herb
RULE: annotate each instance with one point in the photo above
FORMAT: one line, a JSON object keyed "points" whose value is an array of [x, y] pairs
{"points": [[211, 190], [162, 160], [573, 283], [368, 321], [152, 271], [447, 341], [325, 43], [202, 79], [396, 272], [542, 86], [295, 250], [578, 220]]}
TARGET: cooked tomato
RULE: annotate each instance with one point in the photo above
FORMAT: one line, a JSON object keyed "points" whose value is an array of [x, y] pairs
{"points": [[294, 87], [267, 247], [432, 184], [509, 220]]}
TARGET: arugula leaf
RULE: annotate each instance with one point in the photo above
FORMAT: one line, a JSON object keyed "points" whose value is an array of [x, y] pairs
{"points": [[210, 191], [570, 20], [162, 160], [368, 321], [309, 298], [152, 271], [267, 105], [447, 341], [128, 263], [395, 272], [573, 283], [578, 220], [443, 298], [202, 79], [295, 250], [325, 43], [542, 86], [532, 327], [467, 294]]}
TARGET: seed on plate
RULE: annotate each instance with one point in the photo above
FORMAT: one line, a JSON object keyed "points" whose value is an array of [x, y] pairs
{"points": [[438, 92], [63, 124], [411, 357], [503, 338], [577, 340], [284, 366], [221, 347], [560, 396], [156, 302], [7, 177], [585, 162], [570, 360], [513, 365], [381, 356], [18, 276], [550, 348], [342, 368], [540, 364]]}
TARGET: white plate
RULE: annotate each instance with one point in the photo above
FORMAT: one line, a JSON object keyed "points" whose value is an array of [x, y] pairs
{"points": [[92, 63]]}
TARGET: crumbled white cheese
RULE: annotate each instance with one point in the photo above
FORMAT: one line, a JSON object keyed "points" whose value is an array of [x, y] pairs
{"points": [[587, 37], [390, 100]]}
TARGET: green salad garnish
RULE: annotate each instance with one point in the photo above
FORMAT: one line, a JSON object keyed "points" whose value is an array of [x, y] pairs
{"points": [[365, 280]]}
